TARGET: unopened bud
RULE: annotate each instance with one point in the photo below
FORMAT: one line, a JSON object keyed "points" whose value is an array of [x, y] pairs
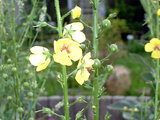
{"points": [[26, 71], [136, 109], [113, 48], [9, 61], [26, 84], [9, 98], [14, 69], [20, 110], [97, 63], [5, 76], [106, 24], [125, 108], [4, 51], [93, 107], [30, 94], [83, 47], [109, 69]]}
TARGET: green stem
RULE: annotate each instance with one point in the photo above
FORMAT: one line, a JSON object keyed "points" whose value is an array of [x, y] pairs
{"points": [[65, 86], [65, 89], [95, 54], [157, 88], [157, 70]]}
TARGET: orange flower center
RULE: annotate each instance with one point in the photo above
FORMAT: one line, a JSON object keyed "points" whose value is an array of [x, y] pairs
{"points": [[66, 48], [157, 48]]}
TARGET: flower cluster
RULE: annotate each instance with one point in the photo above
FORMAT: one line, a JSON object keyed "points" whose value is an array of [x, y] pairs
{"points": [[66, 50]]}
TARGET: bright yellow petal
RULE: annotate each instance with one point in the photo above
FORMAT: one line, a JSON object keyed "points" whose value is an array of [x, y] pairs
{"points": [[155, 41], [85, 74], [88, 63], [38, 49], [75, 53], [62, 58], [78, 36], [35, 59], [76, 12], [155, 54], [77, 26], [44, 65], [158, 12], [79, 78], [149, 47], [87, 56]]}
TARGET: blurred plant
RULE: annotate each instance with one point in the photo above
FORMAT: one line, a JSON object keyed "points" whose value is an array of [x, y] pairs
{"points": [[20, 87], [152, 19]]}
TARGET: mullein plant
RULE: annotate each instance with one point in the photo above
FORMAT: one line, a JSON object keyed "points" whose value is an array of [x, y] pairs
{"points": [[152, 10], [19, 87], [68, 50]]}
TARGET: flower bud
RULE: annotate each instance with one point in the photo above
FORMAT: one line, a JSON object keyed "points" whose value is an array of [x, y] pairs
{"points": [[30, 94], [20, 110], [76, 12], [9, 98], [93, 107], [4, 51], [112, 15], [26, 84], [97, 63], [109, 69], [130, 109], [9, 61], [136, 110], [113, 48], [26, 71], [106, 24], [125, 108], [5, 76], [158, 12], [31, 119], [14, 69]]}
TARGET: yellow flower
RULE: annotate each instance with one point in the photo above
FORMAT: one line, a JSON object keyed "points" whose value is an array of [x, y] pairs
{"points": [[154, 47], [76, 12], [83, 73], [73, 31], [158, 12], [66, 50], [39, 58]]}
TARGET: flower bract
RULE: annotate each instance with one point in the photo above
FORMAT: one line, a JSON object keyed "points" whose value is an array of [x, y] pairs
{"points": [[76, 12], [85, 66], [73, 31], [66, 50], [154, 47], [39, 58]]}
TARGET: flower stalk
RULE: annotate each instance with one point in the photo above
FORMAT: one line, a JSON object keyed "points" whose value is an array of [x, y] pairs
{"points": [[157, 72], [65, 86], [95, 55]]}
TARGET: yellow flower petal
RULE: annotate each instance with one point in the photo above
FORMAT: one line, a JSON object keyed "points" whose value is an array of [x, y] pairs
{"points": [[155, 41], [158, 12], [87, 56], [35, 59], [155, 54], [62, 58], [85, 74], [43, 66], [79, 78], [78, 36], [76, 53], [149, 47], [76, 12], [77, 26], [38, 49]]}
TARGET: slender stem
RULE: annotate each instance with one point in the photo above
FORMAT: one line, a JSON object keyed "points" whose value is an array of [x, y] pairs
{"points": [[65, 86], [64, 16], [157, 70], [157, 88], [95, 54], [59, 19], [65, 89]]}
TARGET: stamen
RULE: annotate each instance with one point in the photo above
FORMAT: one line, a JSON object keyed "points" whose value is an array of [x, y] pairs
{"points": [[89, 69], [157, 48], [65, 48]]}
